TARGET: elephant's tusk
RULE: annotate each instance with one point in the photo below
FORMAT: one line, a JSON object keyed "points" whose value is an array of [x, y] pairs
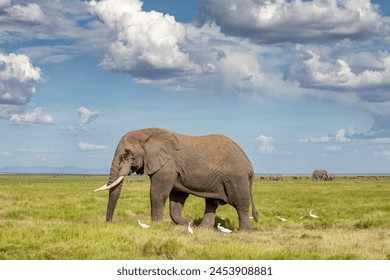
{"points": [[105, 187], [101, 188]]}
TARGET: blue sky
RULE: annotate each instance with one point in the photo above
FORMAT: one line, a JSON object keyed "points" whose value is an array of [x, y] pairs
{"points": [[300, 85]]}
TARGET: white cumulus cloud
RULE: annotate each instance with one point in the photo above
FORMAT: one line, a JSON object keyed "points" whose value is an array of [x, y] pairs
{"points": [[29, 13], [38, 115], [84, 146], [340, 136], [317, 69], [85, 117], [384, 140], [266, 144], [143, 43], [5, 4], [5, 154], [321, 139], [333, 148], [360, 79], [17, 79], [293, 21]]}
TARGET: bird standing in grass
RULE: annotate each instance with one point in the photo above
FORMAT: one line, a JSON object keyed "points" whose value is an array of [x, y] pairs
{"points": [[221, 228], [282, 219], [313, 216], [190, 228], [143, 225]]}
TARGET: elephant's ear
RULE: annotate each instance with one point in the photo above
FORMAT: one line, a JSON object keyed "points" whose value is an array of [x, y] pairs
{"points": [[159, 148]]}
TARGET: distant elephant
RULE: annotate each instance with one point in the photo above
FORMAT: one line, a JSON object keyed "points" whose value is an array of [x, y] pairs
{"points": [[320, 175], [276, 177], [212, 167]]}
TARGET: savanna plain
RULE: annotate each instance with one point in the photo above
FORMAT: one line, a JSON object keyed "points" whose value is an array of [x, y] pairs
{"points": [[61, 217]]}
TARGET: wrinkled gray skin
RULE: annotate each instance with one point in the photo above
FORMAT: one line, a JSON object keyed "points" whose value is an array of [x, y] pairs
{"points": [[320, 175], [212, 167]]}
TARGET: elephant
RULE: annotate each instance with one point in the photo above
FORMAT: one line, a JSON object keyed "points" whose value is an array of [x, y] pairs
{"points": [[211, 166], [276, 177], [320, 175]]}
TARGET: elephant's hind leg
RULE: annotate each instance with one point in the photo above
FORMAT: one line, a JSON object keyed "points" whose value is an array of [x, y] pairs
{"points": [[244, 220], [176, 203], [209, 213]]}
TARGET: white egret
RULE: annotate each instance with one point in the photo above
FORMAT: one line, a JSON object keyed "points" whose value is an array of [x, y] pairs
{"points": [[313, 216], [282, 219], [221, 228], [189, 228], [143, 225]]}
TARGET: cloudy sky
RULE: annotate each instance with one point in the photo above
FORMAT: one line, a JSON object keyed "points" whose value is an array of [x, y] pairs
{"points": [[300, 85]]}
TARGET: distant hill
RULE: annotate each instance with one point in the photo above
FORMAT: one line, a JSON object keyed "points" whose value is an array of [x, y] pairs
{"points": [[52, 170]]}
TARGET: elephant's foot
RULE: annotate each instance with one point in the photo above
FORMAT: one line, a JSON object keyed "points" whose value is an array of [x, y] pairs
{"points": [[157, 214], [245, 228], [209, 214], [176, 203], [157, 218], [182, 221], [244, 220]]}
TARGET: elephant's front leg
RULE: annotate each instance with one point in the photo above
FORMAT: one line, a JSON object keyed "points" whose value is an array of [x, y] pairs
{"points": [[162, 183], [176, 203], [209, 214]]}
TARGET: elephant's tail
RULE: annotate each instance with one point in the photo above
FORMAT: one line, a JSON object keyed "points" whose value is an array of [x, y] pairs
{"points": [[255, 215]]}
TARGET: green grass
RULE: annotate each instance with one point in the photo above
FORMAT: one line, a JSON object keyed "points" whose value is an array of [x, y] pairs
{"points": [[47, 217]]}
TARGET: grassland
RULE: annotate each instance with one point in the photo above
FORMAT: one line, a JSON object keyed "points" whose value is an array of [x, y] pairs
{"points": [[60, 217]]}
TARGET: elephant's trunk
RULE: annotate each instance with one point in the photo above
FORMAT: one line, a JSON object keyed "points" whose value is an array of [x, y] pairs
{"points": [[116, 190], [112, 200], [114, 170]]}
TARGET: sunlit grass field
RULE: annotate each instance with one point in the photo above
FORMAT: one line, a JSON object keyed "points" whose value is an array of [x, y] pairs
{"points": [[61, 217]]}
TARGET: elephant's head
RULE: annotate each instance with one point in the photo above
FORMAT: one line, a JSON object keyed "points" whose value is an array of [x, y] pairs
{"points": [[142, 151]]}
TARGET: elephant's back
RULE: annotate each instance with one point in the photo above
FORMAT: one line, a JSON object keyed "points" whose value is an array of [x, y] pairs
{"points": [[216, 149]]}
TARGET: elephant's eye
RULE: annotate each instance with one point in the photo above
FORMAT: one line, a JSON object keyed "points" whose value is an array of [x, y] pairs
{"points": [[123, 158], [127, 156]]}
